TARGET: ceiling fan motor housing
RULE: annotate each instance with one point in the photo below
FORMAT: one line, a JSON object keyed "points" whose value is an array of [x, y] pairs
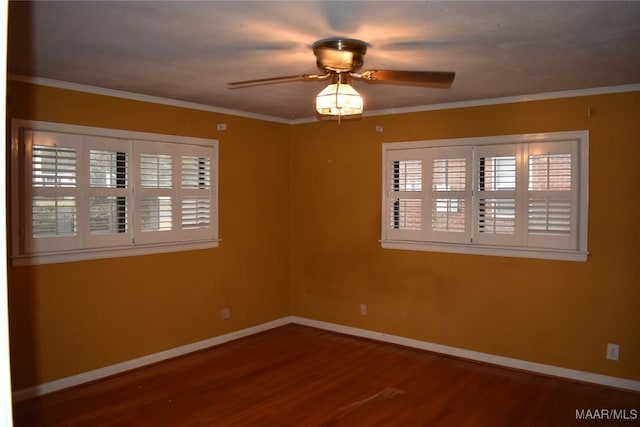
{"points": [[341, 58], [339, 55]]}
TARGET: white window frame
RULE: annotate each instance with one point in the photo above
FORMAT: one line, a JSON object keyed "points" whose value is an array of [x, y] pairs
{"points": [[521, 244], [85, 245]]}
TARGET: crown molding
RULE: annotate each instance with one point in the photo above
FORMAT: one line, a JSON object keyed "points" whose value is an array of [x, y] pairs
{"points": [[383, 112], [510, 99], [140, 97], [493, 101]]}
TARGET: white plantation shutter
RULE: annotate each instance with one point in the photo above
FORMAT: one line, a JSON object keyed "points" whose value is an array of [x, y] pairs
{"points": [[108, 192], [196, 191], [156, 192], [405, 195], [53, 194], [495, 195], [84, 193], [513, 195], [176, 194], [449, 194], [551, 200]]}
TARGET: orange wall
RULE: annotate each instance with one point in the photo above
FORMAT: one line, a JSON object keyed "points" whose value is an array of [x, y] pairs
{"points": [[70, 318], [300, 223], [550, 312]]}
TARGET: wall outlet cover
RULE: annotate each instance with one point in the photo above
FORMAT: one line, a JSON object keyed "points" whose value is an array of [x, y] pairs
{"points": [[613, 351]]}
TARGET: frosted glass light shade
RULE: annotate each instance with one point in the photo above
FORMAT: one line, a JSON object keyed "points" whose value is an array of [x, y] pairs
{"points": [[339, 99]]}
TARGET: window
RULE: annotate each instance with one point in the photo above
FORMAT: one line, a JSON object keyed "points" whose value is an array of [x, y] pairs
{"points": [[518, 195], [80, 193]]}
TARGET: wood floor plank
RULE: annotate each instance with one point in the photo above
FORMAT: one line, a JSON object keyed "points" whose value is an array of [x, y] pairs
{"points": [[300, 376]]}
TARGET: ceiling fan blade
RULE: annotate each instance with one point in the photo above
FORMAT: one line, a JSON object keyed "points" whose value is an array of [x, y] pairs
{"points": [[435, 79], [276, 80]]}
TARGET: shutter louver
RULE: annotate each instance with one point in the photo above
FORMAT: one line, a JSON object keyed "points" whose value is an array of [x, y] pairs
{"points": [[495, 204], [449, 175], [449, 188], [406, 186], [497, 216], [549, 216], [156, 213], [550, 172], [497, 173], [107, 215], [407, 175], [549, 206], [196, 212], [448, 215], [53, 216], [108, 184], [155, 171], [406, 214], [54, 189], [156, 198], [195, 192], [496, 195], [196, 172], [53, 166], [108, 169]]}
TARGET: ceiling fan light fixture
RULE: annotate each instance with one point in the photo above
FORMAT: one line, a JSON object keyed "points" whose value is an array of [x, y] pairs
{"points": [[340, 60], [339, 99]]}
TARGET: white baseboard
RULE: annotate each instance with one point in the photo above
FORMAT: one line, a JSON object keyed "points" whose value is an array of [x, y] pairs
{"points": [[508, 362], [96, 374]]}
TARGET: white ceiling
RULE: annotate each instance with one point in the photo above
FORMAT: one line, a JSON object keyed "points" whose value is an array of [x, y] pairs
{"points": [[188, 51]]}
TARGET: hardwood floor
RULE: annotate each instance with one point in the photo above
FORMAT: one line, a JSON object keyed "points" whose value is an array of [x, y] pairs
{"points": [[299, 376]]}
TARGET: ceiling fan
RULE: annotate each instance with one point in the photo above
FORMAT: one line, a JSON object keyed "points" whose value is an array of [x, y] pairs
{"points": [[340, 60]]}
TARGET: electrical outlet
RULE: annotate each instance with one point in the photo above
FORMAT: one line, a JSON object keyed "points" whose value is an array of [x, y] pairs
{"points": [[225, 313], [613, 351], [363, 309]]}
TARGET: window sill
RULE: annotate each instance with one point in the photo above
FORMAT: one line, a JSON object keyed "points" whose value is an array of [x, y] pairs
{"points": [[102, 253], [505, 251]]}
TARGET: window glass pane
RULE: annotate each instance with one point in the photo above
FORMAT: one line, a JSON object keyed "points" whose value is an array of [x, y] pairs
{"points": [[497, 216], [448, 215], [196, 172], [550, 172], [155, 213], [107, 169], [449, 175], [155, 171], [406, 214], [53, 166], [497, 173], [196, 212], [107, 215], [549, 216], [407, 175], [53, 216]]}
